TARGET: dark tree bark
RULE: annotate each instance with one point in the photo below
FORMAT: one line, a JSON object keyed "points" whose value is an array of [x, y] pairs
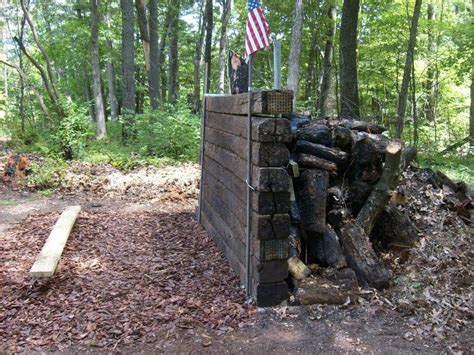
{"points": [[349, 87], [327, 100], [380, 196], [430, 85], [128, 67], [295, 50], [111, 82], [313, 61], [209, 19], [144, 31], [161, 54], [226, 9], [100, 131], [403, 95], [154, 71], [173, 53], [471, 111], [197, 61]]}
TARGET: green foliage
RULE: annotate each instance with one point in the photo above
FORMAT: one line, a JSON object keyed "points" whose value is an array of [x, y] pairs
{"points": [[72, 132], [171, 132], [457, 167], [48, 174], [163, 137]]}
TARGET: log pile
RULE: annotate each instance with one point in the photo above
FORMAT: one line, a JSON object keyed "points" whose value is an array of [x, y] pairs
{"points": [[344, 175]]}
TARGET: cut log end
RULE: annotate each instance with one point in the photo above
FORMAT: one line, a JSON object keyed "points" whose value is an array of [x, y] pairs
{"points": [[394, 147]]}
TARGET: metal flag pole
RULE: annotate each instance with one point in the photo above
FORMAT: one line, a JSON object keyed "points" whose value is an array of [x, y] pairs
{"points": [[248, 278], [203, 133], [276, 62]]}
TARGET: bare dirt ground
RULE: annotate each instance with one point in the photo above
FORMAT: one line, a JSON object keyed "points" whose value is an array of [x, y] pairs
{"points": [[140, 275]]}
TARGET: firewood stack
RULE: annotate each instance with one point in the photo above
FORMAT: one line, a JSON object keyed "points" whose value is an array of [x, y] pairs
{"points": [[344, 173]]}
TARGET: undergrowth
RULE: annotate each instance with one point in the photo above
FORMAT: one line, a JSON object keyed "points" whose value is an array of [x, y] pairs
{"points": [[457, 167], [163, 137]]}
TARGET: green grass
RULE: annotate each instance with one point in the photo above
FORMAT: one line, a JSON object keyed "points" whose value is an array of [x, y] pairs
{"points": [[455, 166]]}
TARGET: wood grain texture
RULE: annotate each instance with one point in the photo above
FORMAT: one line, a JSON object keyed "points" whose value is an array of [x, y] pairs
{"points": [[48, 258], [263, 102]]}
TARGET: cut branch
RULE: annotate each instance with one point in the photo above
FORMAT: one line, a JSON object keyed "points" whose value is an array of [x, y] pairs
{"points": [[380, 196]]}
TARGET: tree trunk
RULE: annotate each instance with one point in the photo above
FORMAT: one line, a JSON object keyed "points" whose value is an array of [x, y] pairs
{"points": [[327, 100], [161, 80], [226, 9], [295, 50], [144, 31], [49, 68], [381, 194], [154, 72], [100, 131], [349, 86], [430, 86], [197, 62], [111, 83], [312, 65], [209, 19], [403, 95], [471, 111], [128, 67], [173, 53]]}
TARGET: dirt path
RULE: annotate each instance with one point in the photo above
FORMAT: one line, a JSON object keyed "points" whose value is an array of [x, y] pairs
{"points": [[144, 277]]}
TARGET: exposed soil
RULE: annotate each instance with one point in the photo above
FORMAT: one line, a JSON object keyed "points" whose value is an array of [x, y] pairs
{"points": [[140, 275]]}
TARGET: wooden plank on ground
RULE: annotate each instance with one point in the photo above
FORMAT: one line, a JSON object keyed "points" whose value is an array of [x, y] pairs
{"points": [[268, 102], [48, 258]]}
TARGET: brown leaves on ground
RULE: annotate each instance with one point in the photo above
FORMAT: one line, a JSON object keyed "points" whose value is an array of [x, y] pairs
{"points": [[139, 185], [435, 286], [123, 278]]}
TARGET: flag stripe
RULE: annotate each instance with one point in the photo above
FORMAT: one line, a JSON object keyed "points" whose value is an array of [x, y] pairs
{"points": [[258, 33]]}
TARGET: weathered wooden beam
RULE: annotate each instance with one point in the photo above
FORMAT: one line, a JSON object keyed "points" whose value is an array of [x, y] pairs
{"points": [[263, 102], [311, 161], [48, 259], [311, 194], [263, 154], [332, 154], [264, 129]]}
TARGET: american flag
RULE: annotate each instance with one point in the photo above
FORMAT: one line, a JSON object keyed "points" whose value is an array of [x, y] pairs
{"points": [[258, 32]]}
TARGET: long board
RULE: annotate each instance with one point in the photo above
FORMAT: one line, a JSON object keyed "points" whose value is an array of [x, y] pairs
{"points": [[48, 258]]}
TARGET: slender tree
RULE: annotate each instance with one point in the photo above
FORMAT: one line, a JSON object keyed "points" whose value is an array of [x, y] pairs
{"points": [[209, 19], [226, 9], [154, 73], [128, 67], [349, 86], [110, 68], [100, 131], [144, 30], [295, 50], [403, 95], [197, 60], [173, 53], [471, 110], [327, 99]]}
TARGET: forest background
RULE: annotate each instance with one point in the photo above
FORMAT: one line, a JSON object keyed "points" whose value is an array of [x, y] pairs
{"points": [[121, 81]]}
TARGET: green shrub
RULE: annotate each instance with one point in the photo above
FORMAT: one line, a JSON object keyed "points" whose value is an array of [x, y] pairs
{"points": [[169, 133], [48, 174], [72, 132], [457, 167]]}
